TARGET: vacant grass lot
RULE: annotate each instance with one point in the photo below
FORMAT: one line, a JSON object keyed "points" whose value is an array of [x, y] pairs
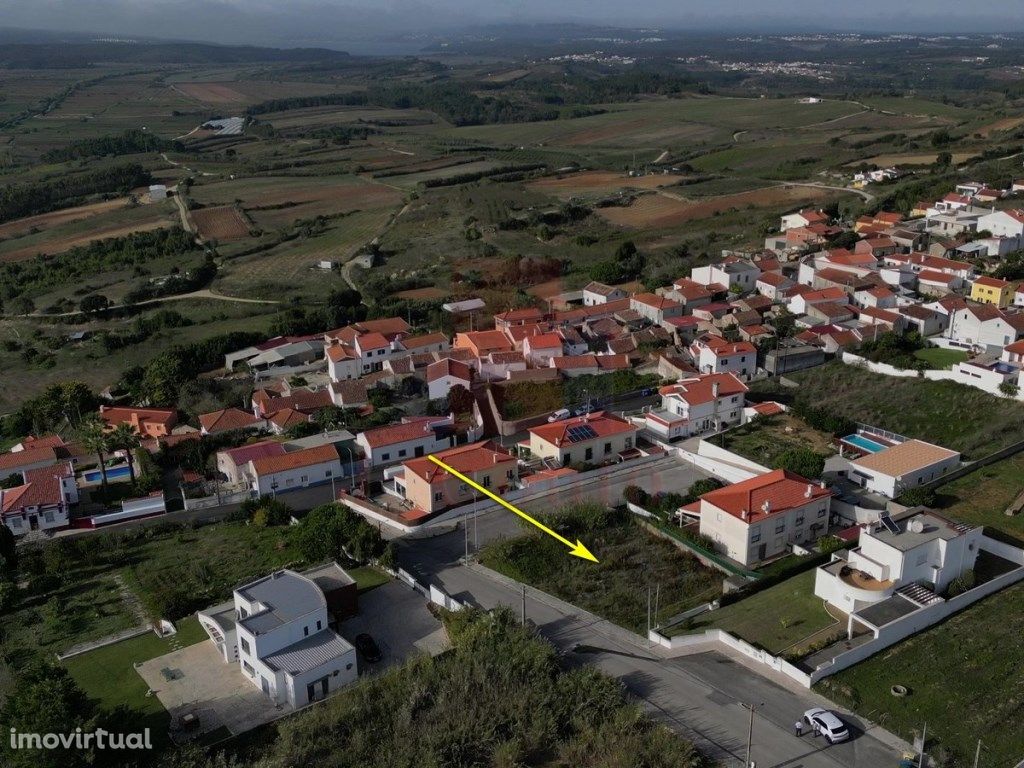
{"points": [[964, 681], [941, 412], [631, 560], [982, 496], [937, 357], [767, 438], [776, 619]]}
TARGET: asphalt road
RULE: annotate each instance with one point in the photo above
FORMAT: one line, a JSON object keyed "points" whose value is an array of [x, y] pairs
{"points": [[702, 696]]}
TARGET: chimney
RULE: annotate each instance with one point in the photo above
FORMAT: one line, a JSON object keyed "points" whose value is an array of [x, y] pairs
{"points": [[809, 492], [823, 485], [714, 389], [766, 507], [744, 514]]}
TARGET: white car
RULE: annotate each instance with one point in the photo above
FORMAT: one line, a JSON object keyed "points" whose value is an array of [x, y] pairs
{"points": [[831, 727], [560, 415]]}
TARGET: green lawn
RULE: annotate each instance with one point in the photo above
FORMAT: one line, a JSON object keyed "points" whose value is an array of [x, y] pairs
{"points": [[776, 619], [368, 577], [767, 438], [964, 680], [631, 560], [942, 412], [108, 675], [982, 496], [940, 358]]}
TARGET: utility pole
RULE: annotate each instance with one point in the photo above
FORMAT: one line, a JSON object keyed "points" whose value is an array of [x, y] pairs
{"points": [[648, 610], [476, 530], [977, 754], [924, 738], [524, 613], [750, 733], [465, 525]]}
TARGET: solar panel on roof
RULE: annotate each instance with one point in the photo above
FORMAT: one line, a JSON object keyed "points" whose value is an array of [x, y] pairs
{"points": [[581, 432], [889, 523]]}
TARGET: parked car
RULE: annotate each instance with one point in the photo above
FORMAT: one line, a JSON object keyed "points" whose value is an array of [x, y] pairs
{"points": [[831, 727], [560, 415], [584, 409], [368, 648]]}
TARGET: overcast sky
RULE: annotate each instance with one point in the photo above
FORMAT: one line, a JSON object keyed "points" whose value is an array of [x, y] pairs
{"points": [[321, 22]]}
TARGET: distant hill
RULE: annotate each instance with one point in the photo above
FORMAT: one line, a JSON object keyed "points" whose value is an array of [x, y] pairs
{"points": [[88, 53]]}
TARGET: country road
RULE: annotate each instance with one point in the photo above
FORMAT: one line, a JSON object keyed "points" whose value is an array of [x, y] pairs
{"points": [[204, 293]]}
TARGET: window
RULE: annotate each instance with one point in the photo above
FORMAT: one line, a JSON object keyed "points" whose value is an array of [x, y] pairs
{"points": [[629, 442], [510, 474], [780, 527], [304, 478], [607, 447], [438, 496], [245, 645], [486, 481], [402, 452], [248, 668], [385, 456], [588, 454], [328, 473], [821, 513], [800, 520], [319, 624], [380, 352], [305, 631], [755, 537]]}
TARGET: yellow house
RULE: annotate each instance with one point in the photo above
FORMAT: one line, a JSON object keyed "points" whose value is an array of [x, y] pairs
{"points": [[429, 488], [596, 438], [991, 290]]}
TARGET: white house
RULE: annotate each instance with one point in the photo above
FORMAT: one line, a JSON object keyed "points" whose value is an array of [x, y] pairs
{"points": [[903, 466], [731, 273], [1008, 223], [802, 218], [758, 519], [922, 549], [445, 374], [294, 469], [773, 285], [696, 405], [277, 630], [41, 502], [416, 436], [539, 348], [655, 308], [985, 326], [714, 354], [595, 293]]}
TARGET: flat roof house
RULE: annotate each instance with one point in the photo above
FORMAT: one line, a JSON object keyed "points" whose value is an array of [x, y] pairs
{"points": [[277, 629], [897, 468], [596, 438], [923, 549], [760, 518]]}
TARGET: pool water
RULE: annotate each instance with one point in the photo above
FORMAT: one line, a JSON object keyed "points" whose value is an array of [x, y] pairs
{"points": [[114, 473], [863, 443]]}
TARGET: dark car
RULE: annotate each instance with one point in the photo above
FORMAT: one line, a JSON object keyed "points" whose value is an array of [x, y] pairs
{"points": [[368, 648]]}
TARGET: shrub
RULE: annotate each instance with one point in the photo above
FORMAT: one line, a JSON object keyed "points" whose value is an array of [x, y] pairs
{"points": [[634, 494], [917, 497], [802, 461]]}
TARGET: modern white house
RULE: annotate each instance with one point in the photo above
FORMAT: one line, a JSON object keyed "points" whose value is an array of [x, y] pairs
{"points": [[922, 549], [276, 629], [760, 518], [900, 467], [696, 405]]}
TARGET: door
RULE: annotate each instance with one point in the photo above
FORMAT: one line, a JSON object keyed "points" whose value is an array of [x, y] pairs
{"points": [[418, 451], [33, 522], [311, 692], [323, 686], [762, 550]]}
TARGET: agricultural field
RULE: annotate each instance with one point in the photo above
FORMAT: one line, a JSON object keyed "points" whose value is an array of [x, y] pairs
{"points": [[223, 223]]}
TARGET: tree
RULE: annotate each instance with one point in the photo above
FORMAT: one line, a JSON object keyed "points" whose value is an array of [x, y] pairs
{"points": [[8, 551], [46, 699], [460, 399], [94, 437], [802, 461], [93, 303], [124, 438]]}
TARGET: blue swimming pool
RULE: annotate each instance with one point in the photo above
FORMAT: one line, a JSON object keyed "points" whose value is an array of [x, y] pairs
{"points": [[114, 473], [863, 443]]}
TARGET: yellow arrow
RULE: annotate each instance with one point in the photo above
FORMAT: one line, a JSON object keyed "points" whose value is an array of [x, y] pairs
{"points": [[578, 549]]}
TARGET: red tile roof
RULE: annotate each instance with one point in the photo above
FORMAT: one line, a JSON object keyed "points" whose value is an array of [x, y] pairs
{"points": [[28, 456], [700, 389], [466, 459], [307, 457], [226, 419], [781, 489], [992, 282], [244, 454], [449, 367], [391, 434], [655, 301], [602, 424], [567, 362]]}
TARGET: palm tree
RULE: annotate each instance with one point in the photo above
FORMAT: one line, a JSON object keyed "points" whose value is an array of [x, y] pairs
{"points": [[93, 435], [124, 438]]}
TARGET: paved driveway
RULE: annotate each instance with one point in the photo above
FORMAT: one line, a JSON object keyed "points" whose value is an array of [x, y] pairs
{"points": [[202, 683], [397, 617]]}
